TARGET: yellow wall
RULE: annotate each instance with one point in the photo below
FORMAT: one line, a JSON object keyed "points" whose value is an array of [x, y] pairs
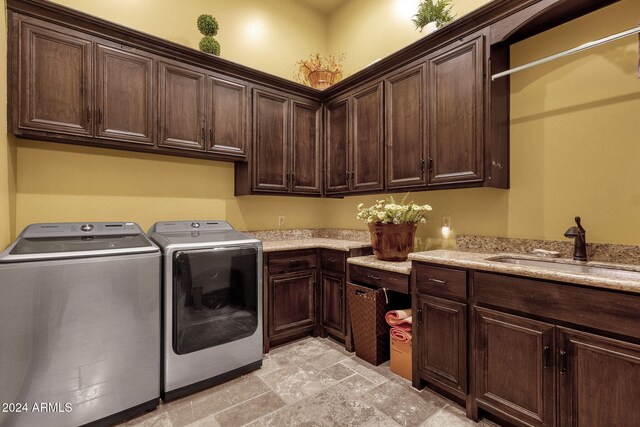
{"points": [[575, 145], [369, 30], [574, 135]]}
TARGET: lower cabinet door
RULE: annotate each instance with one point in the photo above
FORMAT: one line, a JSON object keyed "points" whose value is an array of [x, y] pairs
{"points": [[442, 342], [599, 380], [515, 367], [333, 307], [292, 302]]}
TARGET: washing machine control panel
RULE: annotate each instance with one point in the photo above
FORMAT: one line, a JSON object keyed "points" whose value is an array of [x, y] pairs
{"points": [[82, 229]]}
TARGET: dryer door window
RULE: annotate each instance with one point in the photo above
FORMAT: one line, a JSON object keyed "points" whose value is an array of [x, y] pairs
{"points": [[215, 297]]}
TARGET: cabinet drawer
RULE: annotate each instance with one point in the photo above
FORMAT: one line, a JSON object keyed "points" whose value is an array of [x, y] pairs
{"points": [[604, 310], [379, 278], [442, 282], [291, 261], [332, 260]]}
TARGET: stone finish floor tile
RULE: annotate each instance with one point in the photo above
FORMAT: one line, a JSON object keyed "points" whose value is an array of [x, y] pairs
{"points": [[311, 382]]}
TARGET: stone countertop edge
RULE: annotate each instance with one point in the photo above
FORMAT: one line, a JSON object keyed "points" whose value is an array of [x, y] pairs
{"points": [[402, 267], [312, 243], [482, 261]]}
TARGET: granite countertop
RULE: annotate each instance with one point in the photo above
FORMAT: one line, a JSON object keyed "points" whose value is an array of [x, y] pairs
{"points": [[403, 267], [312, 243], [483, 261]]}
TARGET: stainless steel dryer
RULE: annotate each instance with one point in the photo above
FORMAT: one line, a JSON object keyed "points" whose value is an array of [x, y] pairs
{"points": [[212, 304], [79, 325]]}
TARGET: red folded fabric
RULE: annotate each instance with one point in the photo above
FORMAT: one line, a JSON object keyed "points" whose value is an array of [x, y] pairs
{"points": [[399, 318], [401, 335]]}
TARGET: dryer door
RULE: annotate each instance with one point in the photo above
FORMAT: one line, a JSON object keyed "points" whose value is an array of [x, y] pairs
{"points": [[215, 297]]}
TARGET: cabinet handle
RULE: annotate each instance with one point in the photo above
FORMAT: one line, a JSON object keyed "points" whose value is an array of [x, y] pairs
{"points": [[430, 164], [419, 316], [293, 178], [88, 114], [347, 177], [211, 135], [204, 136], [353, 175], [547, 356], [442, 282], [288, 178], [331, 260], [100, 115], [295, 261], [421, 165], [563, 362], [371, 276]]}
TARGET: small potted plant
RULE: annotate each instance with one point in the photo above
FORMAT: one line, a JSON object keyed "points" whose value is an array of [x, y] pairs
{"points": [[434, 12], [392, 226], [319, 72], [208, 26]]}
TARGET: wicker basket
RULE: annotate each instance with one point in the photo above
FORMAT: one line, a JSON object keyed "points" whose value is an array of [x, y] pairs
{"points": [[367, 308]]}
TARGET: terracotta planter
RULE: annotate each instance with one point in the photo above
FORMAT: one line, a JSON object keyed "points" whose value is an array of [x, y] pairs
{"points": [[392, 242], [321, 79]]}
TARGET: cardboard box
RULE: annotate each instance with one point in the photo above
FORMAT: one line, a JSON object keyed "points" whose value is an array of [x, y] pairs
{"points": [[401, 358]]}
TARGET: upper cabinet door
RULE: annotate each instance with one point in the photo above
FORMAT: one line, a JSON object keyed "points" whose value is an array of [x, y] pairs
{"points": [[270, 128], [337, 137], [124, 95], [55, 73], [368, 139], [227, 117], [306, 157], [456, 100], [406, 138], [182, 107]]}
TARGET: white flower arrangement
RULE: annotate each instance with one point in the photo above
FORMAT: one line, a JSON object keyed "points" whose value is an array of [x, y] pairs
{"points": [[387, 211]]}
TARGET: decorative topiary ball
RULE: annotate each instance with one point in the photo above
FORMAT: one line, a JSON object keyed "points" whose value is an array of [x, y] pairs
{"points": [[210, 45], [207, 25]]}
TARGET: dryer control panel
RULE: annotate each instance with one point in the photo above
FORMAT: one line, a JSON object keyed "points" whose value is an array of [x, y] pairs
{"points": [[195, 225]]}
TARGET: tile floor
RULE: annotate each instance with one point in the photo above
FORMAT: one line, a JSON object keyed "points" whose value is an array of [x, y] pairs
{"points": [[311, 382]]}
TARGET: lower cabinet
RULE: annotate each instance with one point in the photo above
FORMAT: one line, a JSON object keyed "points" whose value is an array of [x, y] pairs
{"points": [[292, 305], [598, 380], [514, 367], [332, 288], [442, 342]]}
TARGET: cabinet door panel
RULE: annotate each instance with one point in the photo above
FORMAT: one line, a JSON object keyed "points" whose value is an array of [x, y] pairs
{"points": [[124, 95], [227, 117], [306, 158], [182, 108], [368, 140], [442, 338], [406, 139], [55, 81], [292, 302], [333, 306], [337, 156], [514, 366], [599, 380], [270, 124], [456, 105]]}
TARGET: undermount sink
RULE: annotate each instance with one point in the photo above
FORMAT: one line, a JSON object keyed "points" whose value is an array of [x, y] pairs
{"points": [[610, 272]]}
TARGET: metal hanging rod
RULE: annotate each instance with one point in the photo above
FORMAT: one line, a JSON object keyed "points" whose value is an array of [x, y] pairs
{"points": [[580, 48]]}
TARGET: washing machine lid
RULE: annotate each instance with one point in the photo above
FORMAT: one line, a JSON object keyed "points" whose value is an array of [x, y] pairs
{"points": [[197, 233], [77, 240]]}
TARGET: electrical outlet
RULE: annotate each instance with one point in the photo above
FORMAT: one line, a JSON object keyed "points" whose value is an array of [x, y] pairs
{"points": [[281, 221]]}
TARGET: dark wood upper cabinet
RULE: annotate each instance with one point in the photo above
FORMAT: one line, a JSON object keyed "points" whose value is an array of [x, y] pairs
{"points": [[598, 379], [55, 80], [226, 117], [124, 95], [306, 148], [182, 107], [270, 141], [337, 147], [515, 367], [442, 342], [456, 113], [405, 119], [368, 139]]}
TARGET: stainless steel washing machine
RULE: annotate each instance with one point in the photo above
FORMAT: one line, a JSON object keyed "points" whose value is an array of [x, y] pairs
{"points": [[212, 304], [79, 325]]}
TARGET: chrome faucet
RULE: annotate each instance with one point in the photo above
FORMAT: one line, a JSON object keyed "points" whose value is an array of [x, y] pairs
{"points": [[580, 247]]}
